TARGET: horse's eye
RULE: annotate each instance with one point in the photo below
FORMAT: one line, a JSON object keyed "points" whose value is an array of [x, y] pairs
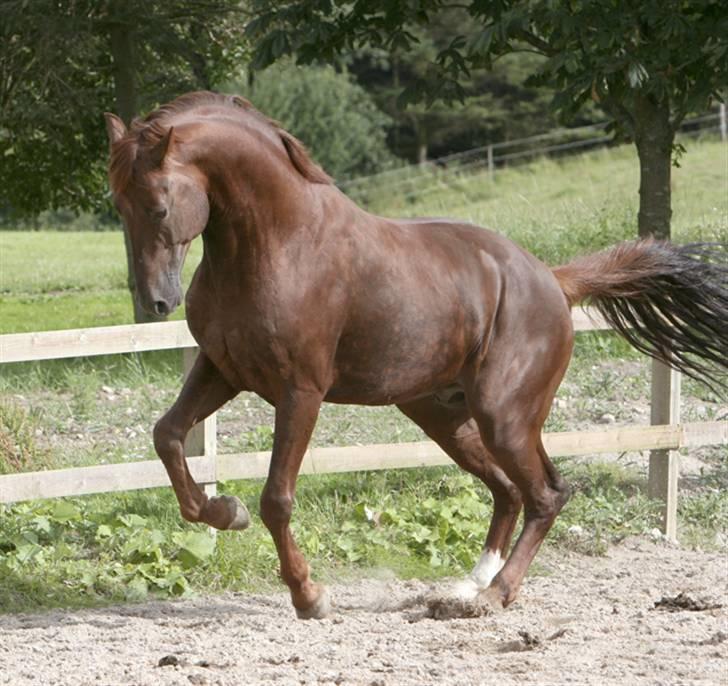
{"points": [[159, 214]]}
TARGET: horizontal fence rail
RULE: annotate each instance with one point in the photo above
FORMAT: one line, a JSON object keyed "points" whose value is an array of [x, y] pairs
{"points": [[663, 438], [496, 155], [101, 340], [150, 473], [136, 338]]}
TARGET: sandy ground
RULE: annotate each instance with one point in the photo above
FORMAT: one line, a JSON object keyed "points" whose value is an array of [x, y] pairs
{"points": [[584, 621]]}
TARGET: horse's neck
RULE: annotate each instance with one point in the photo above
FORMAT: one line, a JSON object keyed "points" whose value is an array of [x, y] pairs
{"points": [[247, 231], [254, 209]]}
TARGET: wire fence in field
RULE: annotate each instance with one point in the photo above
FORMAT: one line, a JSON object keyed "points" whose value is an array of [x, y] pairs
{"points": [[418, 179]]}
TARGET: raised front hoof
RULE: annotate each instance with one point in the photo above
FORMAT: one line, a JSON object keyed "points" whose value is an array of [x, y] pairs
{"points": [[320, 609], [226, 512]]}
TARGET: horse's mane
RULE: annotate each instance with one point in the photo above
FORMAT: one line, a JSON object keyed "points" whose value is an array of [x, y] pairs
{"points": [[147, 132]]}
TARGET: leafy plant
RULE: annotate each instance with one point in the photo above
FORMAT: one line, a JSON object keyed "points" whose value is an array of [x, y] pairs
{"points": [[99, 555]]}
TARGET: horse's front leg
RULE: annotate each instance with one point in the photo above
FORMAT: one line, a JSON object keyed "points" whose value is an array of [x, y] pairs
{"points": [[204, 391], [296, 415]]}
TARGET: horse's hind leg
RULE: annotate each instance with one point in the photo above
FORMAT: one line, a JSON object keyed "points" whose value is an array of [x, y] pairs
{"points": [[203, 392], [454, 430], [510, 399]]}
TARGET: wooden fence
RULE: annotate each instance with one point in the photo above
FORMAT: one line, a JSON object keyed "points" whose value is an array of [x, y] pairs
{"points": [[663, 437]]}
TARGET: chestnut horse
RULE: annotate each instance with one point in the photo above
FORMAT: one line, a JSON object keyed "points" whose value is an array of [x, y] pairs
{"points": [[303, 297]]}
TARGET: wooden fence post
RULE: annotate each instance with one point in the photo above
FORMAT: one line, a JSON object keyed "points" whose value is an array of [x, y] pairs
{"points": [[202, 438], [664, 464]]}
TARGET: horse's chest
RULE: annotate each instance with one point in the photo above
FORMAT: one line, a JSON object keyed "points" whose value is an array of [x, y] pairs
{"points": [[245, 365], [238, 350]]}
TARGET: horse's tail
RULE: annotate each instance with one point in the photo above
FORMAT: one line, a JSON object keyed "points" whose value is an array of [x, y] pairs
{"points": [[669, 301]]}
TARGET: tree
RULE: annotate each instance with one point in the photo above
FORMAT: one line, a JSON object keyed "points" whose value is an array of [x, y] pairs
{"points": [[63, 63], [497, 105], [335, 117], [647, 63]]}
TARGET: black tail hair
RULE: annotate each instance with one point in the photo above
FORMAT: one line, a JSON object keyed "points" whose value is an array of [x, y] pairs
{"points": [[669, 301]]}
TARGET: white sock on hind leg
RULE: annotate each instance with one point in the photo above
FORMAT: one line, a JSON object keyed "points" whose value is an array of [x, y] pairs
{"points": [[487, 567]]}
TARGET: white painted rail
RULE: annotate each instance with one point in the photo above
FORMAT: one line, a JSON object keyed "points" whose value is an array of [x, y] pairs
{"points": [[664, 437]]}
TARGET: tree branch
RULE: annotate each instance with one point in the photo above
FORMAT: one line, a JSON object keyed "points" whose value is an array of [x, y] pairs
{"points": [[543, 47]]}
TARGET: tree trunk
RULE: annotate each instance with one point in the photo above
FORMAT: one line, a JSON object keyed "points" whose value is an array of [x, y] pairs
{"points": [[654, 137], [122, 53], [422, 153], [421, 137]]}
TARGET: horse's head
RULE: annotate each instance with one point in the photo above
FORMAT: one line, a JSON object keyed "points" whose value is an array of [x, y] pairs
{"points": [[163, 202]]}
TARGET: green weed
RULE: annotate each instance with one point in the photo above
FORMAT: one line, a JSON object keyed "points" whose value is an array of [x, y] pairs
{"points": [[19, 449]]}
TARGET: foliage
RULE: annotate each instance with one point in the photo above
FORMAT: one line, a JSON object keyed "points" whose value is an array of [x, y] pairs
{"points": [[647, 64], [428, 523], [332, 115], [607, 50], [57, 76], [497, 104], [71, 549]]}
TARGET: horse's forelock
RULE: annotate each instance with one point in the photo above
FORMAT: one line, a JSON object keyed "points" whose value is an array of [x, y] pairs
{"points": [[121, 164]]}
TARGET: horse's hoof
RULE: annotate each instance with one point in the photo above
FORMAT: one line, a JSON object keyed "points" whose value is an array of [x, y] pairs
{"points": [[235, 515], [492, 598], [320, 609], [241, 518]]}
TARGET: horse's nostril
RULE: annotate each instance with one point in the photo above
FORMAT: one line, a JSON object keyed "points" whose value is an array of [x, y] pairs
{"points": [[161, 307]]}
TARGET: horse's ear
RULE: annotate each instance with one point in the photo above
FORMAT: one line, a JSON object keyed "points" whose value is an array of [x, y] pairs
{"points": [[161, 148], [115, 127]]}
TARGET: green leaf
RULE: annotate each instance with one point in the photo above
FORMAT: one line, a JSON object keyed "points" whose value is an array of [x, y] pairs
{"points": [[63, 511], [194, 547], [137, 589], [481, 42], [636, 75], [132, 521], [104, 531]]}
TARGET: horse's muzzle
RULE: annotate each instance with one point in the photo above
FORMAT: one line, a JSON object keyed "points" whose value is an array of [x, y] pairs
{"points": [[160, 302], [163, 307]]}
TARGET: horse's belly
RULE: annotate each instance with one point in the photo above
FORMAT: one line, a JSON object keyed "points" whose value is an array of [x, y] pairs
{"points": [[391, 366]]}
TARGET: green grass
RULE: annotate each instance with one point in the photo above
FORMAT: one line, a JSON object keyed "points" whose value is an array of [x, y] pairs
{"points": [[64, 280], [428, 523], [425, 523], [560, 208]]}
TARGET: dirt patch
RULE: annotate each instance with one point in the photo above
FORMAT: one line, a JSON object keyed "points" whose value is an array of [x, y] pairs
{"points": [[585, 621], [682, 601]]}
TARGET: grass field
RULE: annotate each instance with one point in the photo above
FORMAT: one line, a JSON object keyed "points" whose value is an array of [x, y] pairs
{"points": [[429, 522]]}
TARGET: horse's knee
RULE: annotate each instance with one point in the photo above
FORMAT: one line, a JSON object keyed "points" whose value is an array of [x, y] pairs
{"points": [[543, 505], [507, 498], [276, 507], [169, 444], [168, 437]]}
